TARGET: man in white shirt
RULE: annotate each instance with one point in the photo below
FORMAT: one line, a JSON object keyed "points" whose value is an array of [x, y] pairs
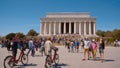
{"points": [[86, 48]]}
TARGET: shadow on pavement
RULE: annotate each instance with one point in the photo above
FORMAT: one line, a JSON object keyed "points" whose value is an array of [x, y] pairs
{"points": [[105, 60], [23, 66], [59, 65], [109, 60]]}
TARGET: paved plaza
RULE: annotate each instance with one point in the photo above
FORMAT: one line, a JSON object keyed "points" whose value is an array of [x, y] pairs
{"points": [[70, 60]]}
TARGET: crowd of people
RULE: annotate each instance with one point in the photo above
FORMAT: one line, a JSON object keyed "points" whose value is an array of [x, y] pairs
{"points": [[43, 45], [89, 45]]}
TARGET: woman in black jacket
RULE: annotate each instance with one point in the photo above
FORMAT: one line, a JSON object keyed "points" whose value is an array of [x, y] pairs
{"points": [[101, 49]]}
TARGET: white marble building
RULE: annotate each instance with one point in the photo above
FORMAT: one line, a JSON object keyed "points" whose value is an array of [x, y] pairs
{"points": [[68, 23]]}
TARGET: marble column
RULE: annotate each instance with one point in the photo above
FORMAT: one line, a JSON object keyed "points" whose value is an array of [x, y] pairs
{"points": [[79, 28], [59, 27], [44, 28], [64, 28], [94, 32], [49, 28], [69, 27], [89, 28], [74, 27]]}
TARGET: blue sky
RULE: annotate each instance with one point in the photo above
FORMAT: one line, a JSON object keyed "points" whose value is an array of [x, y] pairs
{"points": [[23, 15]]}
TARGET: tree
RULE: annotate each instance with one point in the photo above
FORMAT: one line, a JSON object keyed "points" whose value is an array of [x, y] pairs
{"points": [[108, 34], [116, 34], [20, 35], [10, 36], [100, 33], [32, 33]]}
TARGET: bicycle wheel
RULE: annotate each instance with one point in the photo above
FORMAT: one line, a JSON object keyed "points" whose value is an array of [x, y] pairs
{"points": [[56, 60], [24, 59], [8, 62], [48, 62]]}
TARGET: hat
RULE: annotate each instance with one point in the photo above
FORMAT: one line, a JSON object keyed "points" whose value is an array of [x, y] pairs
{"points": [[93, 40]]}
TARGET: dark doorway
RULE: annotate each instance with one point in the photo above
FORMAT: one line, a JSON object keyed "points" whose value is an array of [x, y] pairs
{"points": [[72, 28], [92, 27], [62, 28], [67, 27]]}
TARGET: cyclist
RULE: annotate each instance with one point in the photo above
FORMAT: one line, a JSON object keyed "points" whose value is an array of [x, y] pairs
{"points": [[48, 44], [15, 46], [48, 50]]}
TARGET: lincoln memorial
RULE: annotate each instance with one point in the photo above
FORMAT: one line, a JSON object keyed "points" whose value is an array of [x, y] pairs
{"points": [[80, 23]]}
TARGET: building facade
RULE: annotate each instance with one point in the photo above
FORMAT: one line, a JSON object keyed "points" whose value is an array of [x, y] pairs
{"points": [[68, 23]]}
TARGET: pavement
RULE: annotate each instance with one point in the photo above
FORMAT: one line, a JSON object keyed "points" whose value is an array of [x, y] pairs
{"points": [[69, 60]]}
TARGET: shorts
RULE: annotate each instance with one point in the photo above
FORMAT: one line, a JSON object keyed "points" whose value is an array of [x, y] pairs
{"points": [[101, 50], [94, 52], [77, 47], [86, 50]]}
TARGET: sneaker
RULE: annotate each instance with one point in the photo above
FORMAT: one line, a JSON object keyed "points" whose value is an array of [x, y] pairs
{"points": [[83, 59]]}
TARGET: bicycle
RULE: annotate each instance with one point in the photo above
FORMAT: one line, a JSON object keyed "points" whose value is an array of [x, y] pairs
{"points": [[10, 61], [49, 60]]}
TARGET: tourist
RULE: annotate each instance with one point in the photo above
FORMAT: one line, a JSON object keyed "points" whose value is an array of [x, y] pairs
{"points": [[86, 48], [76, 43], [8, 45], [116, 43], [15, 41], [82, 43], [68, 45], [101, 49], [93, 47], [48, 44], [3, 43], [42, 48], [48, 48], [33, 50], [72, 46], [30, 44]]}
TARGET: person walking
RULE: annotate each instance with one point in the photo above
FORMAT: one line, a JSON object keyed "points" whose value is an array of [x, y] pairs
{"points": [[68, 45], [42, 48], [30, 44], [86, 48], [72, 46], [93, 47], [116, 43], [101, 49]]}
